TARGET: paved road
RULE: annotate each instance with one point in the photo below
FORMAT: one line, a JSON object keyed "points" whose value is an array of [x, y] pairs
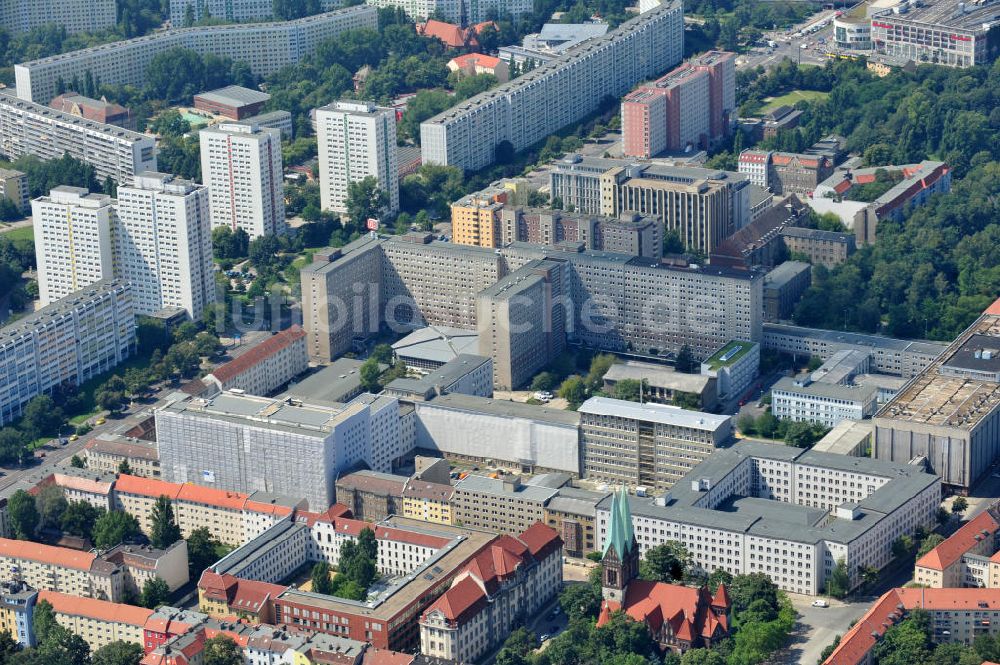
{"points": [[19, 224]]}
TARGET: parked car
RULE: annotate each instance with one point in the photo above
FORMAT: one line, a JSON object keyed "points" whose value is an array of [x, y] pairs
{"points": [[819, 602]]}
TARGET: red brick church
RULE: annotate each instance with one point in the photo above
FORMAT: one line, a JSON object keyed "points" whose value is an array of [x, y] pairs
{"points": [[678, 617]]}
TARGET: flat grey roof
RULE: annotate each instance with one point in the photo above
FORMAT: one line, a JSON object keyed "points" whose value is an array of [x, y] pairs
{"points": [[262, 412], [816, 234], [60, 308], [495, 486], [857, 339], [330, 384], [665, 414], [437, 344], [234, 95], [785, 273], [822, 390], [505, 408], [658, 376], [442, 377]]}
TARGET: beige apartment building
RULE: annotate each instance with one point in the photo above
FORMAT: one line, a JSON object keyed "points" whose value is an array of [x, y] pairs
{"points": [[267, 366], [106, 452], [67, 571], [499, 505], [98, 622]]}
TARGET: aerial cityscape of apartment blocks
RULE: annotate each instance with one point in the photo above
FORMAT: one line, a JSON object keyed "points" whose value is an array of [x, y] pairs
{"points": [[241, 166], [36, 129], [231, 11], [73, 240], [691, 107], [356, 140], [72, 15], [618, 301], [950, 412], [537, 104], [69, 341], [265, 47], [163, 244]]}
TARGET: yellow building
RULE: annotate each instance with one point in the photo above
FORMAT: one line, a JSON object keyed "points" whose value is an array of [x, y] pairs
{"points": [[98, 622], [475, 219], [430, 502]]}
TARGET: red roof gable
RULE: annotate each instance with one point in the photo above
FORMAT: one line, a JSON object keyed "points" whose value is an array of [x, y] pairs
{"points": [[540, 540], [960, 542], [461, 601], [269, 347], [452, 35]]}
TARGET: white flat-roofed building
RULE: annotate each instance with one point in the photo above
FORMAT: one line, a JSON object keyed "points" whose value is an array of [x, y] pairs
{"points": [[36, 129], [71, 340], [73, 241], [246, 443], [646, 445], [265, 47], [72, 15], [824, 403], [164, 243], [356, 140], [514, 435], [785, 512], [241, 166], [735, 365]]}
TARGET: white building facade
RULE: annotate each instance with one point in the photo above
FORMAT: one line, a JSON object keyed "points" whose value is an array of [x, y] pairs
{"points": [[356, 140], [73, 241], [241, 166], [164, 244]]}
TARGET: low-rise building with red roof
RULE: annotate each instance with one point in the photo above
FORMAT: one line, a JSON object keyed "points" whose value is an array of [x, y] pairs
{"points": [[961, 558], [453, 36], [511, 579], [473, 64], [225, 595], [956, 615], [265, 367]]}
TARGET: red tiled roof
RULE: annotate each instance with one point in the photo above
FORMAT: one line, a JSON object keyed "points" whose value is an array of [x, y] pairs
{"points": [[721, 598], [960, 542], [146, 486], [461, 601], [452, 35], [994, 309], [687, 610], [375, 656], [56, 556], [410, 537], [540, 540], [237, 593], [476, 60], [269, 347], [96, 609]]}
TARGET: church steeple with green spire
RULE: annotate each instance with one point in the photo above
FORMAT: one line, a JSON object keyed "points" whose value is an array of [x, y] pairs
{"points": [[621, 551]]}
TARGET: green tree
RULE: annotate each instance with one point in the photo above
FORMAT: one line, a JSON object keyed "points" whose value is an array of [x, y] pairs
{"points": [[113, 528], [828, 650], [222, 650], [544, 381], [581, 601], [929, 543], [365, 199], [902, 547], [370, 373], [23, 515], [838, 584], [51, 504], [164, 531], [77, 462], [382, 353], [664, 563], [320, 577], [573, 390], [685, 361], [202, 551], [124, 468], [630, 390], [118, 652], [43, 621], [702, 657], [959, 505], [599, 366], [155, 592], [79, 517], [42, 416]]}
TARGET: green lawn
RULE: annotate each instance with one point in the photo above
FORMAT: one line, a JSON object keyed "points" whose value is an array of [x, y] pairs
{"points": [[791, 98], [25, 232]]}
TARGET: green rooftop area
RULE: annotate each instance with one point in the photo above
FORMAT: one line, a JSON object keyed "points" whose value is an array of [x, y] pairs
{"points": [[729, 354]]}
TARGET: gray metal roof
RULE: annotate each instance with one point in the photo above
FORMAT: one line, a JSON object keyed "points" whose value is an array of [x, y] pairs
{"points": [[234, 95], [506, 409], [658, 376], [334, 383], [825, 390], [785, 273], [495, 486], [437, 344], [665, 414], [857, 339]]}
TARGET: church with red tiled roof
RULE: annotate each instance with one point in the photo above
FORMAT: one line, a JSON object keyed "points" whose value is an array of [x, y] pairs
{"points": [[678, 617]]}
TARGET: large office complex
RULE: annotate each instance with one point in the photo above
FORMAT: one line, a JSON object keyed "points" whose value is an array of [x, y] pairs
{"points": [[356, 140], [943, 32], [246, 443], [788, 513], [702, 206], [490, 219], [618, 302], [232, 11], [73, 15], [950, 412], [889, 355], [646, 445], [36, 129], [241, 166], [531, 107], [71, 340], [73, 240], [265, 47], [549, 44], [691, 107], [163, 244]]}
